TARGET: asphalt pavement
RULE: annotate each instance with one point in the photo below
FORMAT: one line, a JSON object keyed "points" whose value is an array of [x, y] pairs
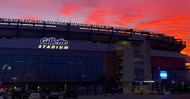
{"points": [[123, 96], [187, 96]]}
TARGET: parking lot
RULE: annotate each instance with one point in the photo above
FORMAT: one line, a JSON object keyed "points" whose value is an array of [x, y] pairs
{"points": [[134, 97], [109, 96]]}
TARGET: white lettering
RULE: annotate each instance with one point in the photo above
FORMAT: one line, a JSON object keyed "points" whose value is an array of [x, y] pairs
{"points": [[48, 47], [40, 46], [57, 47], [60, 47], [44, 46], [53, 47], [66, 47]]}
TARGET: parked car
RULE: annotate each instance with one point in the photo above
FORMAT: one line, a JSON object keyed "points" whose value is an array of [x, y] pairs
{"points": [[30, 91], [42, 94], [3, 95], [61, 93], [27, 94], [71, 93], [34, 96], [17, 94], [54, 95]]}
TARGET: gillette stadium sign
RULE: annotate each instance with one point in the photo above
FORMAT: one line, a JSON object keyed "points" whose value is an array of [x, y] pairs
{"points": [[53, 43]]}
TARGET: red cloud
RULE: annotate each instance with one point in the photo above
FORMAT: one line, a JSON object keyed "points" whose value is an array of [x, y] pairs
{"points": [[100, 17], [128, 20], [168, 16], [116, 17], [68, 9], [165, 22], [171, 25], [27, 10], [187, 49]]}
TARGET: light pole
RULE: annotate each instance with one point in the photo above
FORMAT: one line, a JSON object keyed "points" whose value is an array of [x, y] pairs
{"points": [[14, 79]]}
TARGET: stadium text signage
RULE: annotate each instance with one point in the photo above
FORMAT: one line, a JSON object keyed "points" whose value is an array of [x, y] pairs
{"points": [[53, 43]]}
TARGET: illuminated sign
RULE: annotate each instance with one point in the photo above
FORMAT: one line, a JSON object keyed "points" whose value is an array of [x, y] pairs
{"points": [[146, 81], [163, 74], [53, 43]]}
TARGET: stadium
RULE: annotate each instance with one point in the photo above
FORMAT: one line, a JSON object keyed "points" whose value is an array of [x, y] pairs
{"points": [[49, 55]]}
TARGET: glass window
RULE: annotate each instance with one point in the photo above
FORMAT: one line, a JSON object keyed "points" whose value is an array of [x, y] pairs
{"points": [[50, 68]]}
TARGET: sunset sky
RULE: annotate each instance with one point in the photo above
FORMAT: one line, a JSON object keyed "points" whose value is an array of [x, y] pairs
{"points": [[171, 17]]}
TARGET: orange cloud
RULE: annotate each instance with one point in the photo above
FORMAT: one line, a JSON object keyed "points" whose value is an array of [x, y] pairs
{"points": [[68, 9], [187, 49], [167, 21], [164, 16], [100, 17], [171, 25]]}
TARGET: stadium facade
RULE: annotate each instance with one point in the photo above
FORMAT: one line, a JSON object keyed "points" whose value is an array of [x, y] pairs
{"points": [[49, 55]]}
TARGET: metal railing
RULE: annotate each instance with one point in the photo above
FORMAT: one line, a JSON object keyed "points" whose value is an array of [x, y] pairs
{"points": [[89, 27]]}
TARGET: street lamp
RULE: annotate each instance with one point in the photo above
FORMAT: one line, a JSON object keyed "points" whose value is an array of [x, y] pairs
{"points": [[14, 79]]}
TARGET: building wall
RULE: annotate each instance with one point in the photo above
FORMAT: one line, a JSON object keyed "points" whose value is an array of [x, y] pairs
{"points": [[30, 65], [82, 58], [174, 76], [167, 62], [166, 54], [33, 43], [147, 59], [111, 65], [136, 60], [171, 62], [128, 68]]}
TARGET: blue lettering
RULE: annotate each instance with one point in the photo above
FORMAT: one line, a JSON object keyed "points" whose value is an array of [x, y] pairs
{"points": [[53, 41], [43, 41], [66, 42]]}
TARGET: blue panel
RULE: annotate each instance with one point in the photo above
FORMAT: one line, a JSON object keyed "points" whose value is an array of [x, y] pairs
{"points": [[50, 68]]}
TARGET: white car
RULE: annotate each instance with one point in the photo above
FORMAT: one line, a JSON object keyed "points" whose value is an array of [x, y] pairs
{"points": [[34, 96]]}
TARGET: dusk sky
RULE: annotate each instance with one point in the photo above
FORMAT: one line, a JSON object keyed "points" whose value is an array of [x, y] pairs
{"points": [[171, 17]]}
